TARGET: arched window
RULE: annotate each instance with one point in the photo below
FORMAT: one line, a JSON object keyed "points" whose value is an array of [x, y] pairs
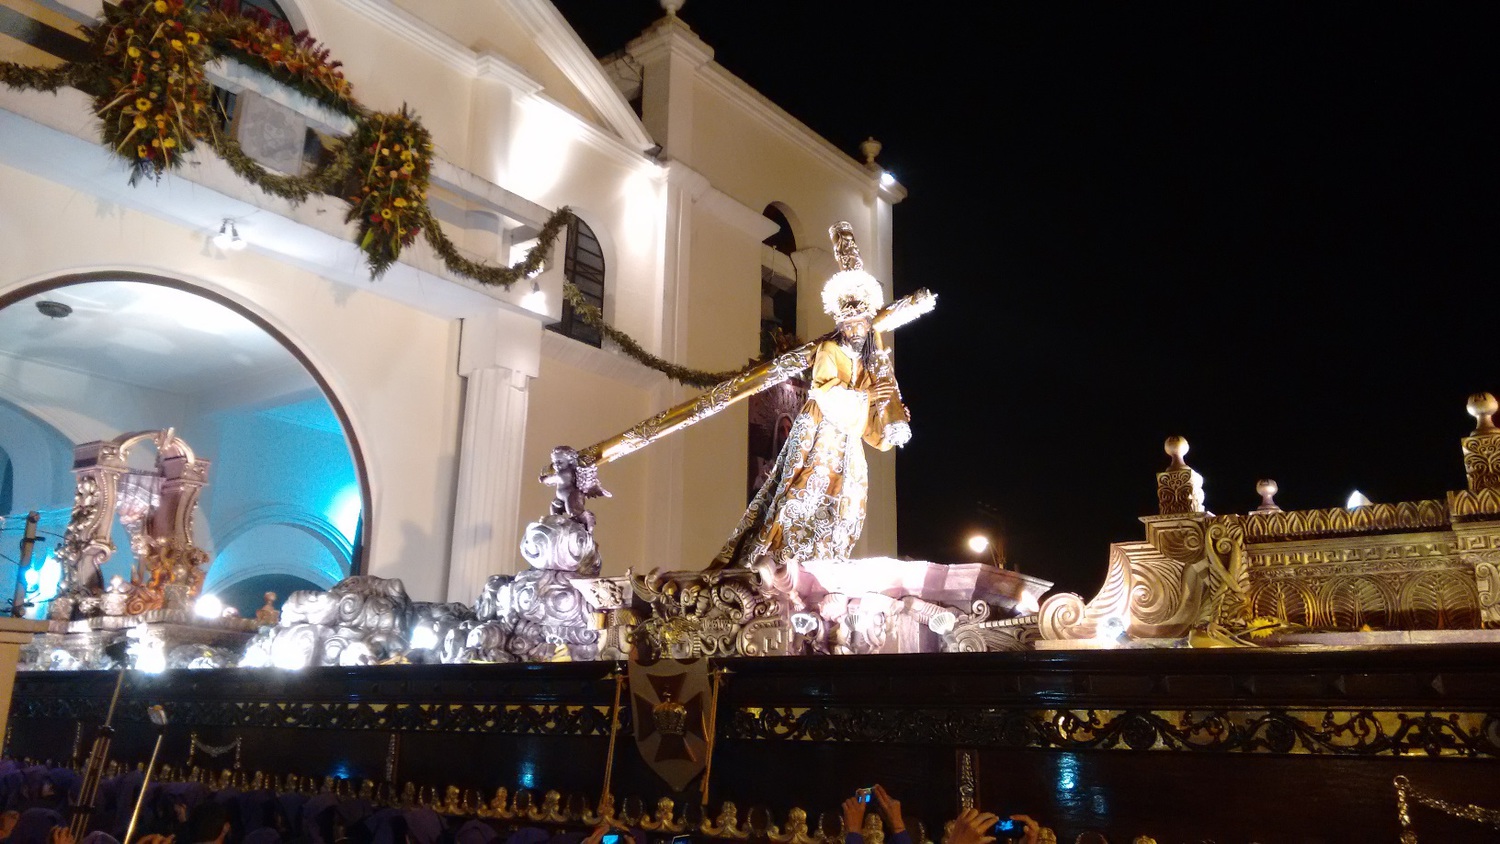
{"points": [[583, 264], [778, 285]]}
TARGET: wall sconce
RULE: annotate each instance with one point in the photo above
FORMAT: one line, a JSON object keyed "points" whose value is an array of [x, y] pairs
{"points": [[536, 300], [228, 237]]}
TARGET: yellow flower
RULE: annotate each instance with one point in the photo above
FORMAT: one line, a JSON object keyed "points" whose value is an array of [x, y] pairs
{"points": [[140, 122], [193, 37], [399, 202], [160, 6], [176, 45], [169, 143], [140, 151], [1260, 628], [133, 52], [142, 104], [156, 142], [385, 213]]}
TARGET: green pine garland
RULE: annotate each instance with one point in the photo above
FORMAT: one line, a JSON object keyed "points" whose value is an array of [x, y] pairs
{"points": [[149, 88]]}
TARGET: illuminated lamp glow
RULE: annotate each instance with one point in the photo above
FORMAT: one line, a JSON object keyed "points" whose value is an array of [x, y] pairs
{"points": [[208, 606], [886, 179], [424, 637], [536, 300], [1357, 499], [979, 543], [287, 658], [44, 581], [942, 623], [1111, 630]]}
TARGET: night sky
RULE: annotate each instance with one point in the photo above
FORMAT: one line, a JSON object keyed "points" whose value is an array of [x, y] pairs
{"points": [[1267, 227]]}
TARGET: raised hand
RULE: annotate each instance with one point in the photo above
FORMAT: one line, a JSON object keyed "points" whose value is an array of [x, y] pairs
{"points": [[972, 827], [854, 816], [891, 807]]}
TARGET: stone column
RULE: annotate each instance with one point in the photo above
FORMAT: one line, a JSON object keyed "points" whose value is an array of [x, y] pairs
{"points": [[498, 356]]}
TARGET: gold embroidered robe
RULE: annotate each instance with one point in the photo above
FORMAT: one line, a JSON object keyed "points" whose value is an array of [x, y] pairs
{"points": [[812, 504]]}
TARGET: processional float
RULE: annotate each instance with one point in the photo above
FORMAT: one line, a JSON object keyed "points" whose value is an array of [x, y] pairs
{"points": [[561, 608]]}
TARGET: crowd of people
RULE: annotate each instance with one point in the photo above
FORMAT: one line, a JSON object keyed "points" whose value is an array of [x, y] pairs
{"points": [[35, 808], [971, 826]]}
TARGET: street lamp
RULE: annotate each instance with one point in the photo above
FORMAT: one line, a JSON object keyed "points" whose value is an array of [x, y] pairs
{"points": [[979, 544]]}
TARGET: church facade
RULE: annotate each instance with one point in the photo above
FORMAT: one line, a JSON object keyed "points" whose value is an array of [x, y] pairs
{"points": [[699, 219]]}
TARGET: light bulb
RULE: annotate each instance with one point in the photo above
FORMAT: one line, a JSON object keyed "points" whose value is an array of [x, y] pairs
{"points": [[223, 238]]}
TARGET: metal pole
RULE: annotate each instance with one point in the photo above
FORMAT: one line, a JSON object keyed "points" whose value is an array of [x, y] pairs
{"points": [[711, 727], [614, 729], [158, 717], [94, 771]]}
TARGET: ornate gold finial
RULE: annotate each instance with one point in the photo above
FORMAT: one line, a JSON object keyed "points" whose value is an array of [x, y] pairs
{"points": [[1179, 489], [870, 148], [1267, 490], [1176, 448], [1482, 447], [1482, 406]]}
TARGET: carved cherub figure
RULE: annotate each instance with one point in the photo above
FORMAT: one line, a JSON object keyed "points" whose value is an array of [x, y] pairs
{"points": [[575, 483]]}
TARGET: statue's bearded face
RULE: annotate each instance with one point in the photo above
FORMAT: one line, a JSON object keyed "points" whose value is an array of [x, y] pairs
{"points": [[855, 331]]}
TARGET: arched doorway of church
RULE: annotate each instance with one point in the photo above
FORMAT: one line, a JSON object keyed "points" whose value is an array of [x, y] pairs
{"points": [[90, 357]]}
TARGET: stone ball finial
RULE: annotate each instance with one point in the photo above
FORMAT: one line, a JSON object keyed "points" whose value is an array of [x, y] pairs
{"points": [[1482, 406], [870, 148], [671, 7], [1176, 448], [1267, 489]]}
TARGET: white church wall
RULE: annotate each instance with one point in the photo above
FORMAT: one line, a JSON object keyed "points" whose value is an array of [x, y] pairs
{"points": [[390, 366]]}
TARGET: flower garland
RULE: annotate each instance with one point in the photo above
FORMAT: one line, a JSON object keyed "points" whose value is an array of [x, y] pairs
{"points": [[681, 374], [153, 98], [152, 55], [295, 59], [394, 153]]}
